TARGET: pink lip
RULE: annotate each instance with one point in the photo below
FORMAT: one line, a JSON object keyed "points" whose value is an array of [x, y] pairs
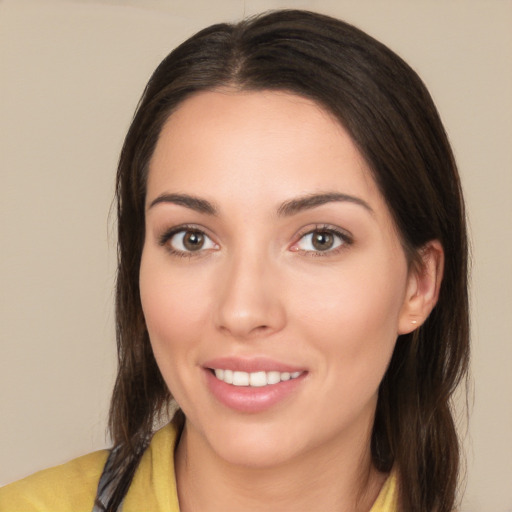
{"points": [[248, 399], [253, 364]]}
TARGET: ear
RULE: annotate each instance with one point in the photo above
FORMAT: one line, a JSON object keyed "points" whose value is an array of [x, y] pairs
{"points": [[423, 285]]}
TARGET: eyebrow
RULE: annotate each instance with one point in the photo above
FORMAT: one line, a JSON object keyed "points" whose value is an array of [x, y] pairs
{"points": [[286, 209], [193, 203], [299, 204]]}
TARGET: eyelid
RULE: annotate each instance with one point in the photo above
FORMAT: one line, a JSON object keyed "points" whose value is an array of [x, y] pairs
{"points": [[168, 234], [346, 239]]}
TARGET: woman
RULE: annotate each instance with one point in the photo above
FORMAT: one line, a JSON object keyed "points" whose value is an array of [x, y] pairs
{"points": [[292, 272]]}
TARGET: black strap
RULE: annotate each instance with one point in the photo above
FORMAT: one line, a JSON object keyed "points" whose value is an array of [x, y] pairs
{"points": [[106, 485]]}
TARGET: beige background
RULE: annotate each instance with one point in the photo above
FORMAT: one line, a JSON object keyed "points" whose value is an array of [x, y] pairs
{"points": [[71, 72]]}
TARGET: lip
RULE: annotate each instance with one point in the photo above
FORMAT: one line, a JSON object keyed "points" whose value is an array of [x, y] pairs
{"points": [[247, 399], [249, 365]]}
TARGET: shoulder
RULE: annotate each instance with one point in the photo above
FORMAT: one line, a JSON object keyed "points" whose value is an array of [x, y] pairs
{"points": [[70, 486], [154, 484]]}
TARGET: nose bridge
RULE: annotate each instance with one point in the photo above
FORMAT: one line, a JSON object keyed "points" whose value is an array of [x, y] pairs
{"points": [[249, 299]]}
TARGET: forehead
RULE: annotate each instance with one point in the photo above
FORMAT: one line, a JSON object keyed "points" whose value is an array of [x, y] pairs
{"points": [[256, 145]]}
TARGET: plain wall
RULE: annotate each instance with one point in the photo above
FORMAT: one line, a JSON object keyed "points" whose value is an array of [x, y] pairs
{"points": [[71, 73]]}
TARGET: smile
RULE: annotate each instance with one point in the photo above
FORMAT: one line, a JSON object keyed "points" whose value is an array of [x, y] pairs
{"points": [[254, 379]]}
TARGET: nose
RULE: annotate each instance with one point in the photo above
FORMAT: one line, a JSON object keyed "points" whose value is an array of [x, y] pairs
{"points": [[250, 301]]}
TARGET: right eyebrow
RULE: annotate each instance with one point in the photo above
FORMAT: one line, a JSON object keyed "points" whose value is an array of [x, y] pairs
{"points": [[193, 203]]}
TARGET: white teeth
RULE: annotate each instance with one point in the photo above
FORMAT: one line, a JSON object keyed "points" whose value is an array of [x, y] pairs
{"points": [[254, 379], [240, 379], [273, 377], [257, 379]]}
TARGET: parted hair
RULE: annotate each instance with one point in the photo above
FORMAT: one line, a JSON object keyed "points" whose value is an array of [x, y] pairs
{"points": [[388, 112]]}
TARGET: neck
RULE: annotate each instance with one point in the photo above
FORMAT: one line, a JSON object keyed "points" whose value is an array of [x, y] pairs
{"points": [[333, 477]]}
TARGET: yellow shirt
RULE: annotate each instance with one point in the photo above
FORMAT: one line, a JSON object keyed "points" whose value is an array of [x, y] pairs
{"points": [[71, 487]]}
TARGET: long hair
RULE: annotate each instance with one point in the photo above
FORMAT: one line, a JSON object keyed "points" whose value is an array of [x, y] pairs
{"points": [[388, 112]]}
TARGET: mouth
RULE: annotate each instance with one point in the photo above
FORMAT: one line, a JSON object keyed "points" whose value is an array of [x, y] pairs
{"points": [[253, 379], [253, 385]]}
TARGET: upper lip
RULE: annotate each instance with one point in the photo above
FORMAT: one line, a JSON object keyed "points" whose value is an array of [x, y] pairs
{"points": [[250, 364]]}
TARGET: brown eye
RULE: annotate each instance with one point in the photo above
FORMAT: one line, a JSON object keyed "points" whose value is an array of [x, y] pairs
{"points": [[322, 240], [188, 241], [193, 240]]}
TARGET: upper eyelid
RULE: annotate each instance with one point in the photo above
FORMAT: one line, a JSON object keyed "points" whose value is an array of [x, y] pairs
{"points": [[170, 232], [345, 237], [165, 240], [325, 227]]}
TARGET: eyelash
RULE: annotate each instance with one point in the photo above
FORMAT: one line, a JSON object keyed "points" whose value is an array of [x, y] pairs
{"points": [[343, 236], [170, 233]]}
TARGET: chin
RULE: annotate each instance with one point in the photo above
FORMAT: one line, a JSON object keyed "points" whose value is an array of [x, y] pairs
{"points": [[253, 443], [256, 453]]}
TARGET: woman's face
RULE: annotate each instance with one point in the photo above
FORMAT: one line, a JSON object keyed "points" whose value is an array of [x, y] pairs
{"points": [[270, 259]]}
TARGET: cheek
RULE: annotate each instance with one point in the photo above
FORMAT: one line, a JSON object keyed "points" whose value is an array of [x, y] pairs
{"points": [[175, 308], [355, 299], [353, 316]]}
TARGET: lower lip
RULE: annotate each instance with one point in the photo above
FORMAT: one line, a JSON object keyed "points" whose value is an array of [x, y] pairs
{"points": [[252, 399]]}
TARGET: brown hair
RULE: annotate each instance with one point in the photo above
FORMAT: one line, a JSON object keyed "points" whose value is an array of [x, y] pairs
{"points": [[388, 112]]}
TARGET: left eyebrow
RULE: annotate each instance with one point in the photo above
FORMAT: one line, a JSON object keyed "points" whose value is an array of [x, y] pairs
{"points": [[293, 206]]}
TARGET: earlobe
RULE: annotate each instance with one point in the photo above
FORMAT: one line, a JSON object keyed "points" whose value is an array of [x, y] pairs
{"points": [[424, 283]]}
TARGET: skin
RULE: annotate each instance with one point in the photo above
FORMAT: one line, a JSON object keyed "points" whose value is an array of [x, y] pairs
{"points": [[259, 287]]}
